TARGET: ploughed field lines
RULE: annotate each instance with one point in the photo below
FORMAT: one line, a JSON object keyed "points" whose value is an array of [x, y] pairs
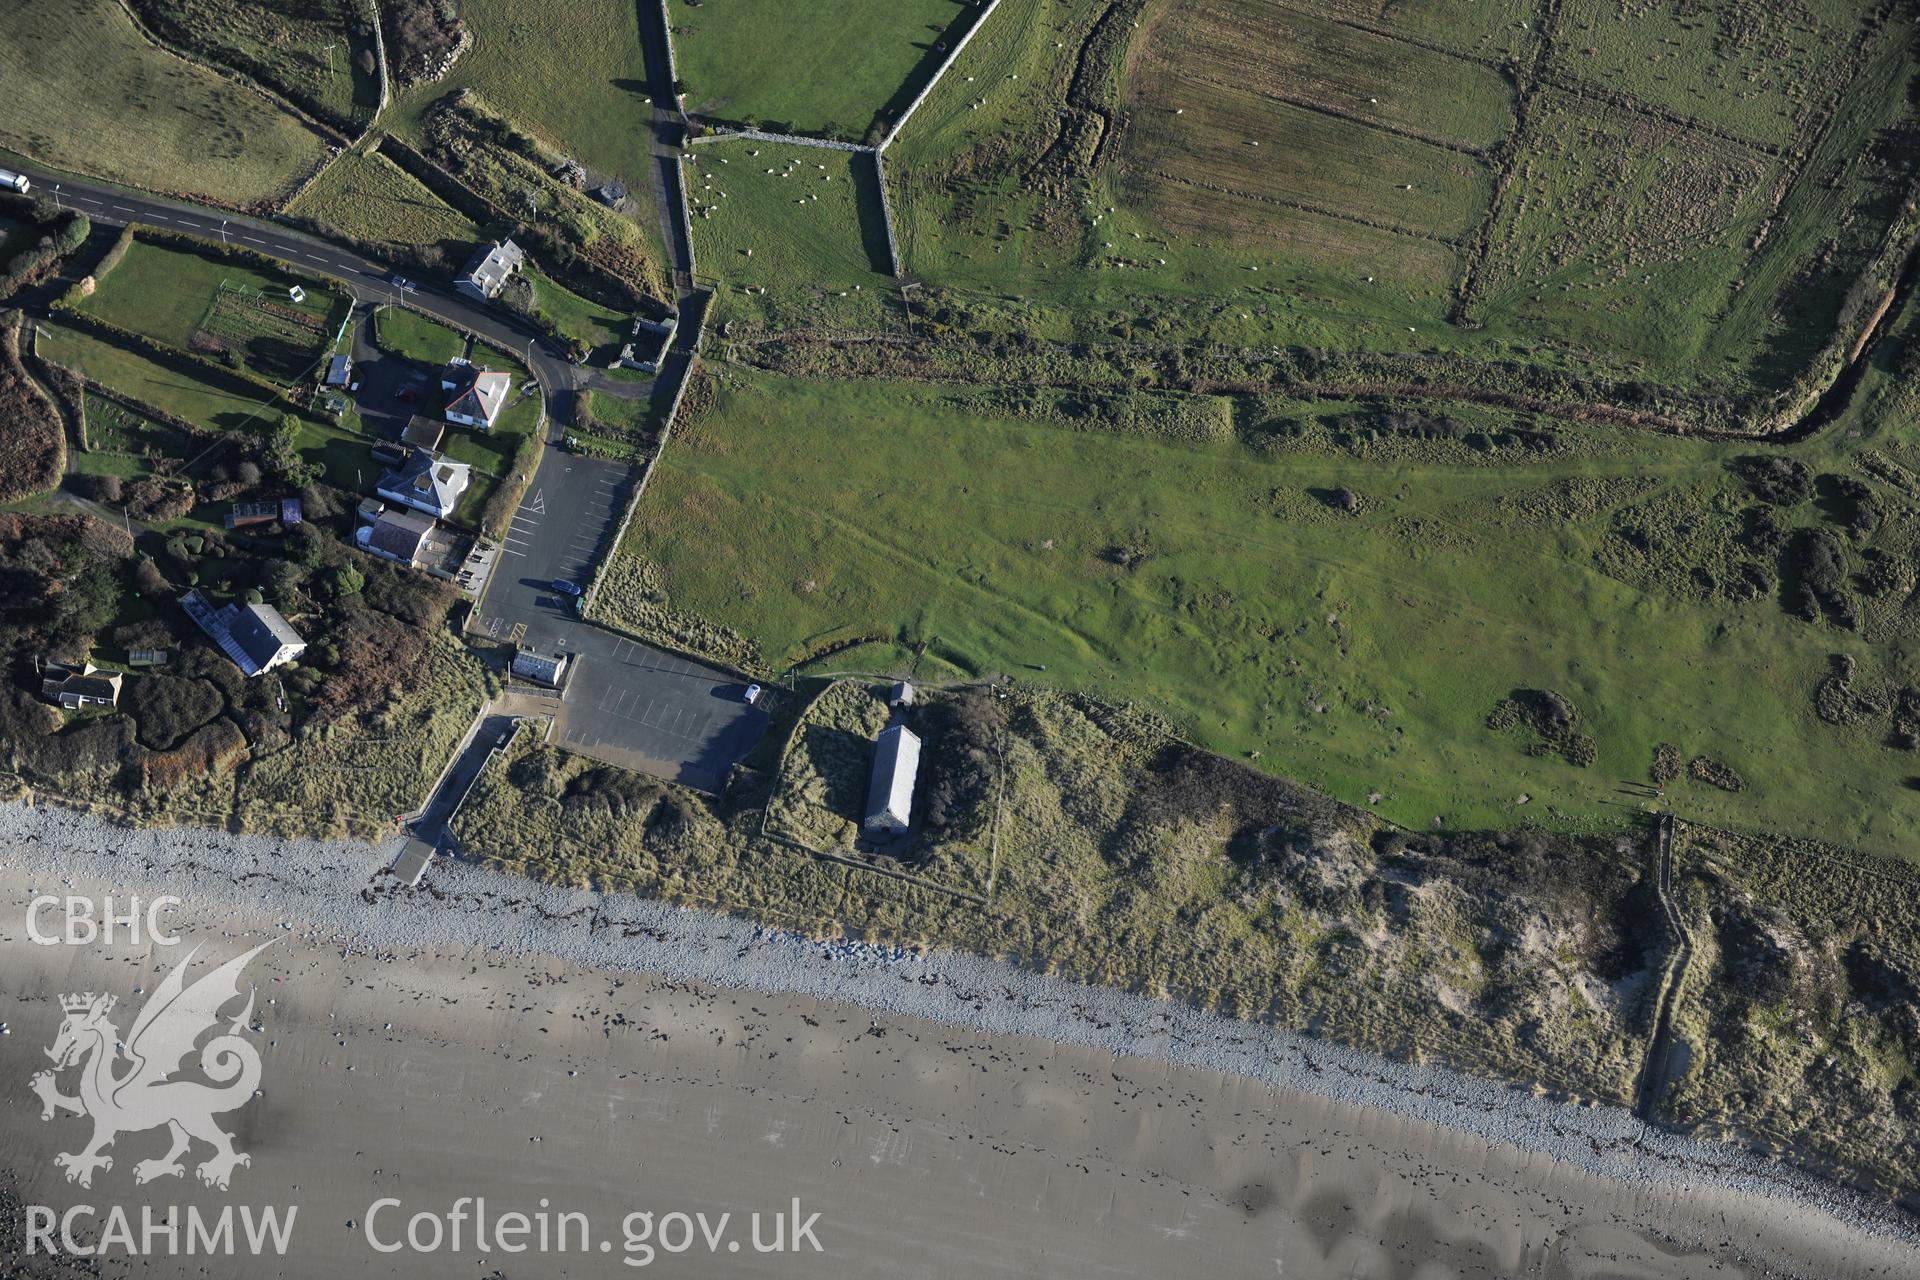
{"points": [[1420, 128]]}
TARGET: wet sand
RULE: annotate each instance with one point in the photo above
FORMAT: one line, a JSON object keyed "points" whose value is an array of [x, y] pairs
{"points": [[927, 1149]]}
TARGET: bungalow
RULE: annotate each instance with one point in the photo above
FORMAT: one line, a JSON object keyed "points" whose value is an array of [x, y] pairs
{"points": [[896, 763], [398, 536], [474, 395], [78, 687], [339, 371], [257, 639], [488, 271], [426, 482]]}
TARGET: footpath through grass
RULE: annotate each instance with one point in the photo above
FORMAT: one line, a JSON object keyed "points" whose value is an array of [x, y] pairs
{"points": [[1361, 651]]}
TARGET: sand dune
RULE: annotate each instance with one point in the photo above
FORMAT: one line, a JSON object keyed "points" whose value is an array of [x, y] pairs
{"points": [[475, 1064]]}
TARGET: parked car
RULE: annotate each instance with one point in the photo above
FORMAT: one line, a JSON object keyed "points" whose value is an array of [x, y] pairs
{"points": [[752, 695], [566, 588], [406, 395], [401, 282]]}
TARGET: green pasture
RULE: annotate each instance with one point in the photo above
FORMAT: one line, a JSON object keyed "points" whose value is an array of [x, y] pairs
{"points": [[367, 196], [1358, 653], [784, 227], [826, 68], [86, 92]]}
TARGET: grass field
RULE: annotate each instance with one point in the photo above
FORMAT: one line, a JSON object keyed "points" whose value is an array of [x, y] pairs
{"points": [[1622, 233], [826, 69], [114, 428], [1650, 233], [188, 300], [155, 384], [312, 52], [577, 317], [1758, 72], [1285, 55], [982, 205], [410, 334], [365, 195], [787, 229], [571, 72], [85, 92], [345, 460], [621, 412], [1224, 584]]}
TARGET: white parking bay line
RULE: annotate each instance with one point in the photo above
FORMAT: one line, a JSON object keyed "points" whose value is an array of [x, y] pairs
{"points": [[510, 551]]}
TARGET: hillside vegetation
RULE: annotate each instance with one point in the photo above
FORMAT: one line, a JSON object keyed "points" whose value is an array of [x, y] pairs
{"points": [[85, 91]]}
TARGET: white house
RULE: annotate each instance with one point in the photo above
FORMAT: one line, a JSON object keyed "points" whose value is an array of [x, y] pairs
{"points": [[489, 270], [426, 482], [78, 687], [474, 395]]}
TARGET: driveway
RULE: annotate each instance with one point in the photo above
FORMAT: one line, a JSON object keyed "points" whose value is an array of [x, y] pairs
{"points": [[380, 377]]}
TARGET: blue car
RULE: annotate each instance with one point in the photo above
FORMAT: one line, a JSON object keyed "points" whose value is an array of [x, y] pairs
{"points": [[566, 588]]}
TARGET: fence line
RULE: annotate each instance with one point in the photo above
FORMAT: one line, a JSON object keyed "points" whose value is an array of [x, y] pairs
{"points": [[795, 139], [886, 214], [646, 472], [939, 75]]}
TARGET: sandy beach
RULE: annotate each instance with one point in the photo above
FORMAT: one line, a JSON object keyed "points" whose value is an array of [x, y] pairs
{"points": [[547, 1051]]}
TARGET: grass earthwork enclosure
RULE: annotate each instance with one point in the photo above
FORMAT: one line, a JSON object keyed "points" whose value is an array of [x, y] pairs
{"points": [[86, 92]]}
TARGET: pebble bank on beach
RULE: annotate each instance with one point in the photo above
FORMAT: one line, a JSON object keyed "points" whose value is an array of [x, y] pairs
{"points": [[338, 893]]}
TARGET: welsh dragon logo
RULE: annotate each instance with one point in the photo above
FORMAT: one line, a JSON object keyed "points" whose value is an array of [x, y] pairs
{"points": [[125, 1085]]}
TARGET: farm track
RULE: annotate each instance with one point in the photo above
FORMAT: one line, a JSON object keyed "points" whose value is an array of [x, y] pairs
{"points": [[1656, 1069]]}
